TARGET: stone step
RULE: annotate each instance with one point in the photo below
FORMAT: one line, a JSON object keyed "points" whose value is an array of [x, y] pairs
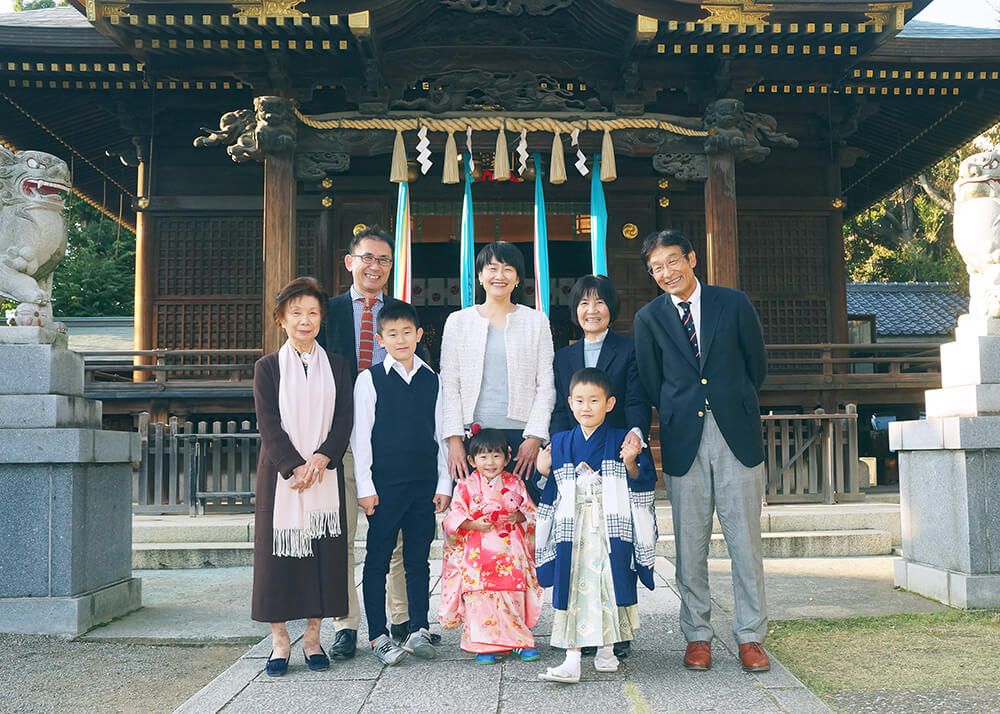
{"points": [[182, 529], [790, 544], [801, 544], [775, 519], [169, 556]]}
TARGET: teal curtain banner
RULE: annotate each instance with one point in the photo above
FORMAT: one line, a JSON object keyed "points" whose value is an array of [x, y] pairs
{"points": [[541, 243], [468, 241], [598, 221]]}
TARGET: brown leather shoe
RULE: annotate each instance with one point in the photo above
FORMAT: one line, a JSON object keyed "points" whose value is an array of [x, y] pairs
{"points": [[754, 658], [698, 656]]}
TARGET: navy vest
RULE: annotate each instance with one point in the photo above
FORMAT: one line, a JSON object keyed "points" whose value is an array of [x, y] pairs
{"points": [[403, 445]]}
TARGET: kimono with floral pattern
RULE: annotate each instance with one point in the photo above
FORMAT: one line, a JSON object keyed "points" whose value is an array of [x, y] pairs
{"points": [[488, 582]]}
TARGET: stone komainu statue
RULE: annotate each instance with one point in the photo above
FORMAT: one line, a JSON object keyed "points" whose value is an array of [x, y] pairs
{"points": [[32, 230], [977, 230]]}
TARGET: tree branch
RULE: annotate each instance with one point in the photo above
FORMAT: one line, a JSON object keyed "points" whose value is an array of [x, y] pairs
{"points": [[933, 194]]}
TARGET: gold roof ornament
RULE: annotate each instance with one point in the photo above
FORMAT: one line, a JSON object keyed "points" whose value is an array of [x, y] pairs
{"points": [[268, 8], [736, 12], [101, 9], [888, 14]]}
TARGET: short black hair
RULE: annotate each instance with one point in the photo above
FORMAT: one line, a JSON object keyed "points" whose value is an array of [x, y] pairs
{"points": [[397, 310], [599, 285], [665, 239], [506, 253], [372, 232], [591, 375], [487, 441]]}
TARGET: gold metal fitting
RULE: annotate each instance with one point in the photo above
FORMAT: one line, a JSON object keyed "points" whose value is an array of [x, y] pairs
{"points": [[664, 202], [630, 231], [327, 201], [663, 183], [326, 183]]}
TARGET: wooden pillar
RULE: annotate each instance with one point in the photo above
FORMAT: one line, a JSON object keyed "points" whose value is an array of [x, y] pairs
{"points": [[279, 238], [142, 320], [722, 251]]}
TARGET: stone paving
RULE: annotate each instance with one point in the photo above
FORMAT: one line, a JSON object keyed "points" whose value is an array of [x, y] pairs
{"points": [[652, 679]]}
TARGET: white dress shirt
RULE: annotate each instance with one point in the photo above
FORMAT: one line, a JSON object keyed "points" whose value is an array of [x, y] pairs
{"points": [[695, 301], [364, 419]]}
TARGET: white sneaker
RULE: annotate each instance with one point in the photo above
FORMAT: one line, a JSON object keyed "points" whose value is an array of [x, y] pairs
{"points": [[419, 643], [386, 651]]}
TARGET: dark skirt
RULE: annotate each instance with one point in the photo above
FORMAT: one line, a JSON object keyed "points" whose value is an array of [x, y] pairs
{"points": [[296, 588]]}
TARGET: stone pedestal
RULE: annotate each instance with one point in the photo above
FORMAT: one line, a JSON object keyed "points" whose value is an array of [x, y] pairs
{"points": [[66, 511], [949, 476]]}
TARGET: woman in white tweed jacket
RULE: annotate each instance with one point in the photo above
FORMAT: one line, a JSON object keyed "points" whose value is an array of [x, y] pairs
{"points": [[496, 365]]}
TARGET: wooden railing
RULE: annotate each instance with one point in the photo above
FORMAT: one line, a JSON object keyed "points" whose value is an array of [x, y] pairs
{"points": [[791, 366], [812, 458], [145, 371], [183, 465], [853, 365]]}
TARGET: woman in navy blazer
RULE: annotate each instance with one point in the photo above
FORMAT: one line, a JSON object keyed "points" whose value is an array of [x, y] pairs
{"points": [[593, 307]]}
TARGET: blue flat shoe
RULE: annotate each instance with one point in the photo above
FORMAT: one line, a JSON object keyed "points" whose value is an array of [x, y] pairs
{"points": [[527, 654], [316, 662], [486, 659], [276, 667]]}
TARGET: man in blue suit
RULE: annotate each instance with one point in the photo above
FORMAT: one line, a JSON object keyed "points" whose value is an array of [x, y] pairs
{"points": [[349, 331], [701, 357]]}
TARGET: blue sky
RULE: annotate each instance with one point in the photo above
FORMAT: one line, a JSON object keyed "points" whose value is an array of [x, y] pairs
{"points": [[975, 13]]}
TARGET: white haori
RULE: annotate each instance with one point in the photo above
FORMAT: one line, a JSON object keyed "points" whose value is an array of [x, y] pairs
{"points": [[305, 403]]}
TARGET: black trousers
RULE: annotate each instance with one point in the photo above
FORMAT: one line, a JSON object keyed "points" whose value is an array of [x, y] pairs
{"points": [[406, 507]]}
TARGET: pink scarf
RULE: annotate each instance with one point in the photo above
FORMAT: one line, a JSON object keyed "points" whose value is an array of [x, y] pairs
{"points": [[305, 403]]}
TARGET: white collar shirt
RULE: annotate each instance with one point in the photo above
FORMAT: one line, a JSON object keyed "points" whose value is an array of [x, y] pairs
{"points": [[695, 301]]}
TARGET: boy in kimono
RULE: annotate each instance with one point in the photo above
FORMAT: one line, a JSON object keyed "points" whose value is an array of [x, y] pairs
{"points": [[596, 530]]}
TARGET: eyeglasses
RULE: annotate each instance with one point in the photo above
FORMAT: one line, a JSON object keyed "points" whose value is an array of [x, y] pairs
{"points": [[672, 263], [369, 259]]}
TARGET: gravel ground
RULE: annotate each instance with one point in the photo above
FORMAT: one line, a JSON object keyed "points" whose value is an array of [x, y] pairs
{"points": [[47, 674], [967, 700]]}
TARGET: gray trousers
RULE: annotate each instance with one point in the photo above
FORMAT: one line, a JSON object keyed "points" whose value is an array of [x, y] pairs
{"points": [[717, 481]]}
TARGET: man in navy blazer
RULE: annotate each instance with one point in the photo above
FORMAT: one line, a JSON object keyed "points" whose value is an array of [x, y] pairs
{"points": [[701, 358]]}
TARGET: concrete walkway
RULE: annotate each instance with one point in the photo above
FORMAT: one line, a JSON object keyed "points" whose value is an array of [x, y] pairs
{"points": [[651, 680]]}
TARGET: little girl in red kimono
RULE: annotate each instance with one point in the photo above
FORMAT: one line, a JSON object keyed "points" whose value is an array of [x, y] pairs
{"points": [[488, 582]]}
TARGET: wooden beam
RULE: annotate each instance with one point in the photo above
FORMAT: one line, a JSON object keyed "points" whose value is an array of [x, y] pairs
{"points": [[720, 221], [279, 238], [145, 278]]}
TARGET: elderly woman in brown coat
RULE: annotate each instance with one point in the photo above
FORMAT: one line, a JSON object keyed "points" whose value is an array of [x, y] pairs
{"points": [[305, 412]]}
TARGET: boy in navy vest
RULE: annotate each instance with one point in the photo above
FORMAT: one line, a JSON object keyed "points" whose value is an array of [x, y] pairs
{"points": [[402, 475]]}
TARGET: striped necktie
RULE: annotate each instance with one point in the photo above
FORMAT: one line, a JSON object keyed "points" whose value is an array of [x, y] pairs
{"points": [[687, 320], [366, 341]]}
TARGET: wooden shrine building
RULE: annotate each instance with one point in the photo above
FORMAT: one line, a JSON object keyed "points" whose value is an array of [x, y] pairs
{"points": [[754, 127]]}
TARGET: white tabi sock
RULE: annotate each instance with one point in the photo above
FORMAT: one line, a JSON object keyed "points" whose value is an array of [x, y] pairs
{"points": [[571, 666]]}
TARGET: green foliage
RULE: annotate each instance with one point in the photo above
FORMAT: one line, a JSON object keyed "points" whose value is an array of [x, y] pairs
{"points": [[907, 237], [23, 5], [96, 278]]}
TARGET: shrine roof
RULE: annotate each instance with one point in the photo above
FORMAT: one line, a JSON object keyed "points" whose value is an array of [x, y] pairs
{"points": [[908, 309], [926, 30]]}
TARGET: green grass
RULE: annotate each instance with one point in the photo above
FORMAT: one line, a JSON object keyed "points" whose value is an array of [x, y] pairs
{"points": [[925, 651]]}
